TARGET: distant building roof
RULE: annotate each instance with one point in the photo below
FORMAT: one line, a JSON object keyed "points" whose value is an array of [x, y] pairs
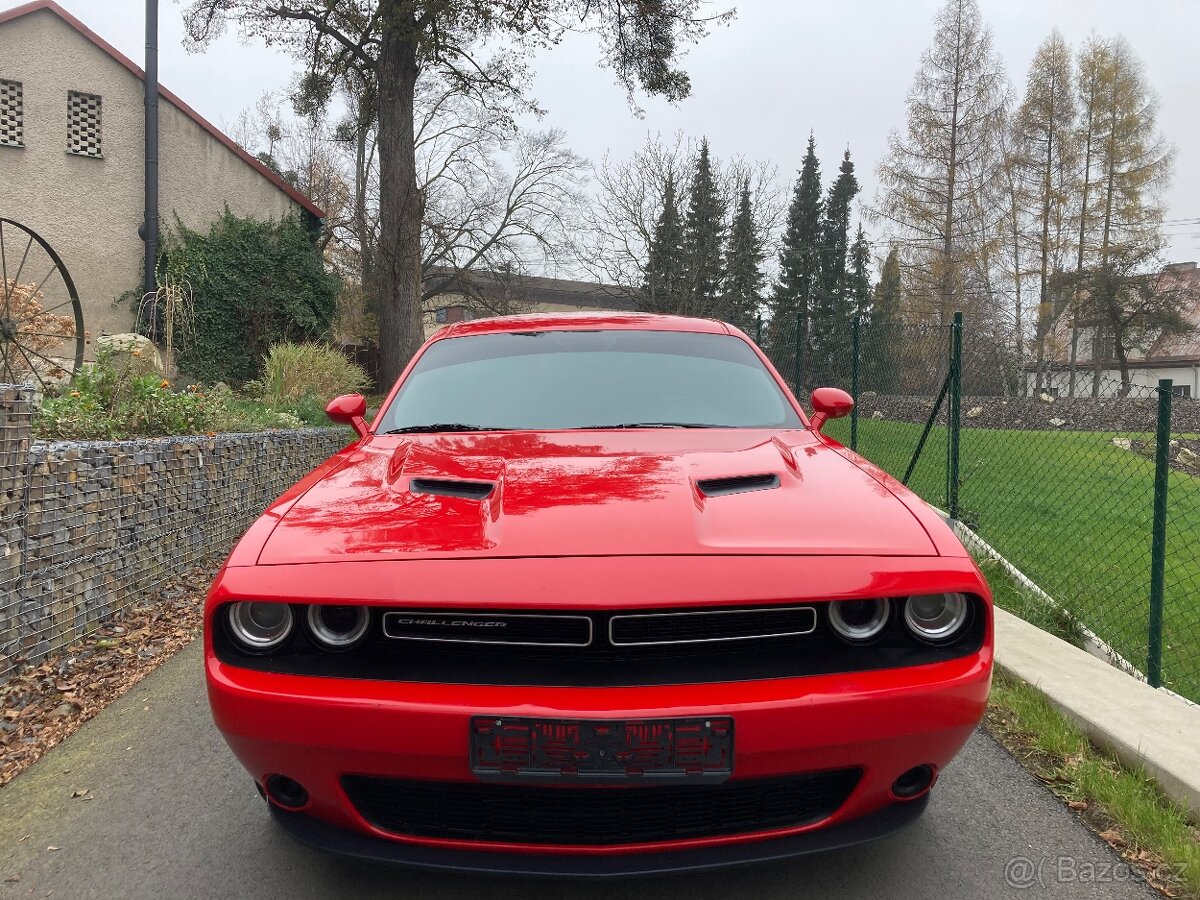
{"points": [[537, 289], [1165, 349], [50, 6]]}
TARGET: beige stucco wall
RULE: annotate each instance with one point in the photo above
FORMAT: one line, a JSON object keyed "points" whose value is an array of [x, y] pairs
{"points": [[89, 209]]}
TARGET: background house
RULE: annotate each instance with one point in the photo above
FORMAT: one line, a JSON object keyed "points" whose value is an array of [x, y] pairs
{"points": [[480, 294], [72, 161], [1156, 355]]}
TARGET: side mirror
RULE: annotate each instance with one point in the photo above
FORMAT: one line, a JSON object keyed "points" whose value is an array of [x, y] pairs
{"points": [[349, 409], [829, 403]]}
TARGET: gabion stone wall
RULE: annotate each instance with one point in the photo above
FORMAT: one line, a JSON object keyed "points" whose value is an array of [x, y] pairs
{"points": [[16, 414], [98, 524]]}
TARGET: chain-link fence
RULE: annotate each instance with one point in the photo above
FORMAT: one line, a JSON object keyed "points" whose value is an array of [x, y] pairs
{"points": [[1088, 485], [88, 528]]}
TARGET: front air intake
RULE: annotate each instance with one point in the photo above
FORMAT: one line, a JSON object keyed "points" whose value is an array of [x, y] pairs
{"points": [[450, 487], [737, 484]]}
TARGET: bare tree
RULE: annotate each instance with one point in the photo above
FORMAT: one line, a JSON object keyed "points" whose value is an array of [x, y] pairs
{"points": [[483, 215], [941, 173], [614, 242], [1046, 160], [1123, 224], [479, 45]]}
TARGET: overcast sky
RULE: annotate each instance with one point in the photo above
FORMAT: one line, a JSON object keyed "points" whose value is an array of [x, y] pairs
{"points": [[838, 68]]}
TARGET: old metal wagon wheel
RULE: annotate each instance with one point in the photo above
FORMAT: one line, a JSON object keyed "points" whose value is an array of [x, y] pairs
{"points": [[41, 322]]}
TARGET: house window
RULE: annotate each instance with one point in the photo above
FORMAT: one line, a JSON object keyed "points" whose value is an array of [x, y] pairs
{"points": [[447, 314], [1182, 390], [83, 123], [12, 114]]}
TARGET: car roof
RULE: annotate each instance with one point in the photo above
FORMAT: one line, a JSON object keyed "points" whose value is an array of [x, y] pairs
{"points": [[583, 321]]}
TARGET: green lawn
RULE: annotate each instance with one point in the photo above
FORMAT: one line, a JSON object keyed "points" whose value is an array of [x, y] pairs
{"points": [[1073, 512]]}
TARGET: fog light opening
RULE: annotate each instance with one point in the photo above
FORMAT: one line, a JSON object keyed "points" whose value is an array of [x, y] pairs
{"points": [[914, 783], [283, 791]]}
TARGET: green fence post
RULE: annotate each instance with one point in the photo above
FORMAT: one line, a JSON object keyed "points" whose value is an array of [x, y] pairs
{"points": [[952, 415], [854, 345], [1158, 541], [799, 360]]}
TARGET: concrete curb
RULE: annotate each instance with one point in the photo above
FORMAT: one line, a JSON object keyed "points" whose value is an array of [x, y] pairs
{"points": [[1141, 726]]}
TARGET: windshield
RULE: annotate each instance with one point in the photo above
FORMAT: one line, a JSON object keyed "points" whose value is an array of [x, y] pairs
{"points": [[548, 380]]}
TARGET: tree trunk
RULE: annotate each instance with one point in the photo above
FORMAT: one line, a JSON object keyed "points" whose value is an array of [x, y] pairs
{"points": [[398, 263]]}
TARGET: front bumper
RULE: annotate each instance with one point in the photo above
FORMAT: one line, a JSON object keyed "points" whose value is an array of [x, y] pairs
{"points": [[315, 730]]}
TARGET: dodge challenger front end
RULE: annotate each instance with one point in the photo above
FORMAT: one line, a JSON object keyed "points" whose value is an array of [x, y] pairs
{"points": [[591, 595]]}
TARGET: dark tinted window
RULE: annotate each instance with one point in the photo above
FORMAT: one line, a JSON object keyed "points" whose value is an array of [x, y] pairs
{"points": [[549, 380]]}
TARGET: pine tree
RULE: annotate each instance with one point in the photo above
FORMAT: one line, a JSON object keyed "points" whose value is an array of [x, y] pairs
{"points": [[858, 280], [742, 289], [663, 288], [703, 239], [879, 341], [799, 267], [832, 311]]}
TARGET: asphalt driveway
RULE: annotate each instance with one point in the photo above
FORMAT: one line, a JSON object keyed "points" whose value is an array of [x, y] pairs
{"points": [[172, 815]]}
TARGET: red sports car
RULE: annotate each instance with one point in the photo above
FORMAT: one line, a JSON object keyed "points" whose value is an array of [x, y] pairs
{"points": [[591, 595]]}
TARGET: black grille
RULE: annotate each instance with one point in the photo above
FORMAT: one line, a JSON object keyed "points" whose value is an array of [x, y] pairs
{"points": [[687, 627], [521, 814], [600, 663]]}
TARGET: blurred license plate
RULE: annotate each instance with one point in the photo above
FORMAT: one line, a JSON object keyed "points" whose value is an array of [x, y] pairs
{"points": [[584, 749]]}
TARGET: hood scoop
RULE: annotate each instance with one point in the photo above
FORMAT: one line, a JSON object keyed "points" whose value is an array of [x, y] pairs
{"points": [[737, 484], [452, 487]]}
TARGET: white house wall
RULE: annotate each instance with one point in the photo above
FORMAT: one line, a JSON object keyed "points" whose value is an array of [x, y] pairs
{"points": [[1143, 380]]}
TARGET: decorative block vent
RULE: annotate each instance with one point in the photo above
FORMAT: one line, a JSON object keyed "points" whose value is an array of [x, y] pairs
{"points": [[83, 123], [12, 114]]}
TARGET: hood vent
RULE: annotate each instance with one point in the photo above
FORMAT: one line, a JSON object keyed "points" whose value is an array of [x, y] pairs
{"points": [[450, 487], [737, 484]]}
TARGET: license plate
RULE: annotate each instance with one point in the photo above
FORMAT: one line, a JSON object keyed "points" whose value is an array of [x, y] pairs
{"points": [[588, 749]]}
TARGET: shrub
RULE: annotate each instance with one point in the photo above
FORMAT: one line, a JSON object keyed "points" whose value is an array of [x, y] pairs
{"points": [[252, 284], [299, 377], [106, 401]]}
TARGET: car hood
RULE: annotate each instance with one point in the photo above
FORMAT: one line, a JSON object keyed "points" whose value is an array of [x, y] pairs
{"points": [[593, 494]]}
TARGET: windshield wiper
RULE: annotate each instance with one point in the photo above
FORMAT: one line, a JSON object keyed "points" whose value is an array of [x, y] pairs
{"points": [[441, 426], [651, 425]]}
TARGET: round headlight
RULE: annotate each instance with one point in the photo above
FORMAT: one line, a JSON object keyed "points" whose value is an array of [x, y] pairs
{"points": [[936, 618], [260, 627], [338, 627], [860, 621]]}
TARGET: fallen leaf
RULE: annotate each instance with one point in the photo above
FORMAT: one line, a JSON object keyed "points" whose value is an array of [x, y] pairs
{"points": [[1111, 835], [1078, 804]]}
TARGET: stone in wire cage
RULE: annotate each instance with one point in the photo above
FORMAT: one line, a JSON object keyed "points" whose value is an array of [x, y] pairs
{"points": [[83, 123], [12, 114]]}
